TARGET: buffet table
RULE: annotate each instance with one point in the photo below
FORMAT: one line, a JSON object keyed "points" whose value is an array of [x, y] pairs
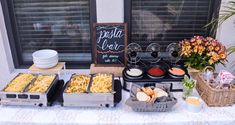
{"points": [[122, 114]]}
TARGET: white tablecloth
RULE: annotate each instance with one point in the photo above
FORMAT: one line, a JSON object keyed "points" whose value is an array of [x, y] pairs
{"points": [[122, 114]]}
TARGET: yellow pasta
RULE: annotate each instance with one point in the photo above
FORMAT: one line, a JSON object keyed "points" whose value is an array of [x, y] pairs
{"points": [[19, 83], [78, 84], [42, 83], [101, 83]]}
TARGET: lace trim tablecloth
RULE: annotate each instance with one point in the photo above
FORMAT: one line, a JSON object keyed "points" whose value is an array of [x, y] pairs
{"points": [[122, 114]]}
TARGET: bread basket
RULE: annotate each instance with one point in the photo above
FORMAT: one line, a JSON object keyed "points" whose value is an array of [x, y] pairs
{"points": [[140, 106]]}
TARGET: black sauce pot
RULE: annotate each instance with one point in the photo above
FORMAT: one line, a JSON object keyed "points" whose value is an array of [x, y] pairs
{"points": [[177, 76], [156, 77], [133, 77]]}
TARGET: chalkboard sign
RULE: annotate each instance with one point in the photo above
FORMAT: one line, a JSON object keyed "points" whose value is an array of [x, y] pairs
{"points": [[109, 44]]}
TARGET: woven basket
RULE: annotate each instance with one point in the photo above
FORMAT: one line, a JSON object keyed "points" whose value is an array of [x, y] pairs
{"points": [[212, 96], [193, 72], [139, 106]]}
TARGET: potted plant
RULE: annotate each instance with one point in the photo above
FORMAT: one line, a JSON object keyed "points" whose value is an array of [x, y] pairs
{"points": [[188, 85], [200, 52], [226, 13]]}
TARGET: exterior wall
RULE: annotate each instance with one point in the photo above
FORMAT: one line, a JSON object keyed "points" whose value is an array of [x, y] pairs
{"points": [[225, 34], [110, 11], [105, 13], [6, 62]]}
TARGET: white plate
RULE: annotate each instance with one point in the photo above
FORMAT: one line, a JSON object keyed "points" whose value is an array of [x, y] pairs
{"points": [[46, 60], [45, 63], [45, 66]]}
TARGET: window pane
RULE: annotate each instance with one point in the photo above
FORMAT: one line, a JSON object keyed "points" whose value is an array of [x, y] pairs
{"points": [[63, 25], [167, 21]]}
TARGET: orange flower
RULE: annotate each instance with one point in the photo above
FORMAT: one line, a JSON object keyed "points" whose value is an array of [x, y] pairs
{"points": [[194, 43], [211, 48], [187, 54], [208, 54], [199, 42], [211, 61], [188, 48], [207, 43], [209, 38], [193, 40], [214, 43], [215, 56], [217, 48], [223, 56], [201, 49], [187, 43], [195, 49]]}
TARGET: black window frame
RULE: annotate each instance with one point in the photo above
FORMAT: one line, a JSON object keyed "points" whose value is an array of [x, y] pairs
{"points": [[214, 15], [12, 34]]}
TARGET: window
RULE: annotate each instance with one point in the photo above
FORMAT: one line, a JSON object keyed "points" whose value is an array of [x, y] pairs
{"points": [[63, 25], [167, 21]]}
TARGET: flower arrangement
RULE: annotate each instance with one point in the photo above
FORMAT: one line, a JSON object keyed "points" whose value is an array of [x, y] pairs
{"points": [[200, 52]]}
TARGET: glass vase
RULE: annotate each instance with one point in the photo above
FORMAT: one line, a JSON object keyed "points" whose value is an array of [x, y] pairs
{"points": [[187, 92]]}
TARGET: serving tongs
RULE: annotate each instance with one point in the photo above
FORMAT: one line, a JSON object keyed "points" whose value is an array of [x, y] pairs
{"points": [[129, 66], [165, 62], [69, 82], [48, 88]]}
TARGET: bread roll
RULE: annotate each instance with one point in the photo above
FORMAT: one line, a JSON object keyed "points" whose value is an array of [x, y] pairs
{"points": [[141, 96], [160, 92]]}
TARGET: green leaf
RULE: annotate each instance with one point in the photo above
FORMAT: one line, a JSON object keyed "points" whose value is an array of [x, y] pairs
{"points": [[228, 12], [229, 8], [231, 50], [188, 83], [232, 2]]}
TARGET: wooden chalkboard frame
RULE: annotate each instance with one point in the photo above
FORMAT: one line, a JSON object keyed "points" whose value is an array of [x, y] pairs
{"points": [[94, 46]]}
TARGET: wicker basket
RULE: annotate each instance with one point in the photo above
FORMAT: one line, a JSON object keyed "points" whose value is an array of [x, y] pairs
{"points": [[193, 72], [212, 96], [139, 106]]}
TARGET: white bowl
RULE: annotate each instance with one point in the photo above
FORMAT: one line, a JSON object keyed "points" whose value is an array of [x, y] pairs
{"points": [[194, 107], [45, 54]]}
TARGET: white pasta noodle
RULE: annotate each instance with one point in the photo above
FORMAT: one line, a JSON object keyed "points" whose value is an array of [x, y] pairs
{"points": [[78, 84], [19, 83], [101, 83], [42, 83]]}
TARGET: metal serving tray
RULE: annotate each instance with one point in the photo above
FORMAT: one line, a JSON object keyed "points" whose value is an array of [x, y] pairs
{"points": [[89, 99], [28, 98]]}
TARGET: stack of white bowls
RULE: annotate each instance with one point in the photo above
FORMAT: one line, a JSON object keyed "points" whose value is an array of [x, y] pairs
{"points": [[45, 58]]}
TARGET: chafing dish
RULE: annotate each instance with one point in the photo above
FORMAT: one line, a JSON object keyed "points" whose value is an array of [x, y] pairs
{"points": [[27, 97]]}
